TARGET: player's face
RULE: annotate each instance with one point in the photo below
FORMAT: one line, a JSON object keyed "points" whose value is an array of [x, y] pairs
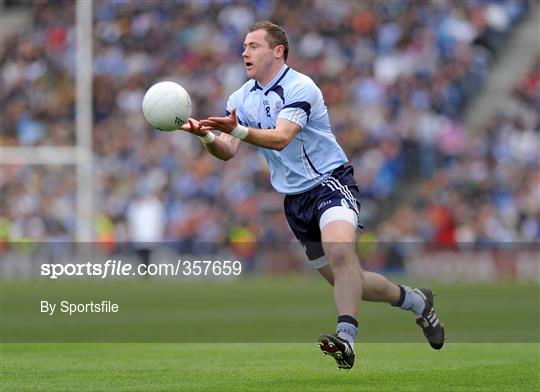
{"points": [[258, 57]]}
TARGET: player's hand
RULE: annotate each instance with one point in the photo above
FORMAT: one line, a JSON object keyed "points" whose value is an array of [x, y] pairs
{"points": [[223, 124], [193, 126]]}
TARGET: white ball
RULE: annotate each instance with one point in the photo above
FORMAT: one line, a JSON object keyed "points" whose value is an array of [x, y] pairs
{"points": [[166, 106]]}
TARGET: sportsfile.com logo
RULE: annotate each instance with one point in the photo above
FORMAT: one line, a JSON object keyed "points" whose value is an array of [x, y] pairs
{"points": [[118, 268]]}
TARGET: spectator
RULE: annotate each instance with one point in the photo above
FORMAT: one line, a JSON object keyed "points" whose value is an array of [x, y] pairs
{"points": [[146, 224]]}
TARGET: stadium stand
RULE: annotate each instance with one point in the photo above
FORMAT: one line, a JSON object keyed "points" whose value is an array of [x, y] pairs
{"points": [[396, 80]]}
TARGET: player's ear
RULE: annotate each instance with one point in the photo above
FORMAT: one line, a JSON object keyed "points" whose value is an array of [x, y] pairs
{"points": [[279, 51]]}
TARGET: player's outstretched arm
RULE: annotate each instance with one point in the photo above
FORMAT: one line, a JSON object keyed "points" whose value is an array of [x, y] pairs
{"points": [[275, 139], [223, 147]]}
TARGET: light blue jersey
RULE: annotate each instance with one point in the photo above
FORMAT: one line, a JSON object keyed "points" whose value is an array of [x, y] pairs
{"points": [[314, 152]]}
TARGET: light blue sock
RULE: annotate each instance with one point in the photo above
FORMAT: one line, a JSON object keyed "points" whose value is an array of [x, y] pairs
{"points": [[413, 301], [347, 328]]}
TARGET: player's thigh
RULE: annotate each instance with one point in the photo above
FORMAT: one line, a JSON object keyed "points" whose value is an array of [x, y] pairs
{"points": [[338, 225], [338, 241], [338, 231]]}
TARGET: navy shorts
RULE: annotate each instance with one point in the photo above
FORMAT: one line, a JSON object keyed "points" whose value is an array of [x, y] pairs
{"points": [[304, 210]]}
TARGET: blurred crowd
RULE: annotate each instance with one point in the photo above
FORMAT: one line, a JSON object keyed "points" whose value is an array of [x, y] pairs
{"points": [[487, 191], [396, 79]]}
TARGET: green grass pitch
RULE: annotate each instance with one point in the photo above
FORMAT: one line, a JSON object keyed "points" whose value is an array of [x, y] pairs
{"points": [[267, 367], [481, 320]]}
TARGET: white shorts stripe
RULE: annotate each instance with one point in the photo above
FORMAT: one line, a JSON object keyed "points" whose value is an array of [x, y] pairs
{"points": [[329, 185], [345, 192]]}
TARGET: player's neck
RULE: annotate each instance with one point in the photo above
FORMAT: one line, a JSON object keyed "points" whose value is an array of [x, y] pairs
{"points": [[271, 74]]}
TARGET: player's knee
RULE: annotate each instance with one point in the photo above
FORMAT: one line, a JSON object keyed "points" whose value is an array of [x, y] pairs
{"points": [[340, 257]]}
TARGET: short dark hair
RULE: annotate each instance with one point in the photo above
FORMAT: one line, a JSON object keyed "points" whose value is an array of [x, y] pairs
{"points": [[275, 35]]}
